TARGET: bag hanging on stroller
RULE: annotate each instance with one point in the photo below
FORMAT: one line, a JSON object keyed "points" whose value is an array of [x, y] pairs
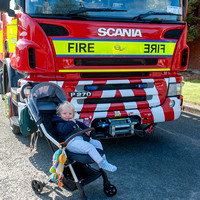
{"points": [[26, 124], [77, 172]]}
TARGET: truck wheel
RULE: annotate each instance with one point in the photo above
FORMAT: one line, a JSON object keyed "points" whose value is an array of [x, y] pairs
{"points": [[15, 129], [14, 125], [6, 83]]}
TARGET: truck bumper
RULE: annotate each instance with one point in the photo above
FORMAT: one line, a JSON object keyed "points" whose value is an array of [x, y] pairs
{"points": [[169, 110], [130, 122]]}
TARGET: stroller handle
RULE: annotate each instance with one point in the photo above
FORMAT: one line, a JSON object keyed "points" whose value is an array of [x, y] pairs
{"points": [[77, 134], [23, 87]]}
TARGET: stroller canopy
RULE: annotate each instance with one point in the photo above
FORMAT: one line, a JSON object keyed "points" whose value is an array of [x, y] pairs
{"points": [[45, 96]]}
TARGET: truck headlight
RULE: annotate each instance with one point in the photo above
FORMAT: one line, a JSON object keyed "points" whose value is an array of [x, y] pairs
{"points": [[175, 89]]}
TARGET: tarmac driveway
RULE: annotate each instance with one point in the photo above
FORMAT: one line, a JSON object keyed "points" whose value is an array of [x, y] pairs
{"points": [[162, 166]]}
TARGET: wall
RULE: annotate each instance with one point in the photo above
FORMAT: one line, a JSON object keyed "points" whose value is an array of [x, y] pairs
{"points": [[194, 58]]}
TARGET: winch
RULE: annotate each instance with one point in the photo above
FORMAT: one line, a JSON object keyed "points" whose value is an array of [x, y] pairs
{"points": [[121, 126]]}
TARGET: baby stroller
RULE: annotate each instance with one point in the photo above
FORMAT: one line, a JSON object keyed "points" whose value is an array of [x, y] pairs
{"points": [[42, 103]]}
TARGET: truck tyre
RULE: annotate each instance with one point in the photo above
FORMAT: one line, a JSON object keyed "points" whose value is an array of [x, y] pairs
{"points": [[14, 124], [15, 129]]}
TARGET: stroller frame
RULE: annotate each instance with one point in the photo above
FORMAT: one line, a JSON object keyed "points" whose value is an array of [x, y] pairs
{"points": [[72, 179]]}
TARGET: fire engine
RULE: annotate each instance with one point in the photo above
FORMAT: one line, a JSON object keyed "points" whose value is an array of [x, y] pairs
{"points": [[116, 60]]}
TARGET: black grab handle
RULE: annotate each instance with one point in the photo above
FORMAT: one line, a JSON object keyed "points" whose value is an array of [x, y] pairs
{"points": [[76, 134]]}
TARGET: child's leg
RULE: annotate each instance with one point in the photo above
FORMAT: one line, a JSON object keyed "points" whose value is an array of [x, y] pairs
{"points": [[104, 163], [82, 147], [78, 145], [96, 143]]}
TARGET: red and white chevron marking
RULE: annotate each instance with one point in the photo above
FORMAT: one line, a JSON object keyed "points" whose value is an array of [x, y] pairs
{"points": [[154, 110]]}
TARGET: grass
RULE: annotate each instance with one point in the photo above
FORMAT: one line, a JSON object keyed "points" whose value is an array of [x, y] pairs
{"points": [[191, 91]]}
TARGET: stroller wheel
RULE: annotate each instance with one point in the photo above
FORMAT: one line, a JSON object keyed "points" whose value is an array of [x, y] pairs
{"points": [[110, 190], [37, 186]]}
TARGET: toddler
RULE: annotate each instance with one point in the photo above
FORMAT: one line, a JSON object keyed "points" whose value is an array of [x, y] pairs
{"points": [[65, 126]]}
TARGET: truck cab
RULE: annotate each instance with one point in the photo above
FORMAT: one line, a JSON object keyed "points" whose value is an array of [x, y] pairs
{"points": [[117, 61]]}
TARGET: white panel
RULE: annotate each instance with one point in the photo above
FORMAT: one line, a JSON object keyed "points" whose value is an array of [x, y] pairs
{"points": [[60, 83], [127, 93], [104, 106], [125, 81], [85, 83], [108, 93], [130, 105], [158, 114], [177, 108]]}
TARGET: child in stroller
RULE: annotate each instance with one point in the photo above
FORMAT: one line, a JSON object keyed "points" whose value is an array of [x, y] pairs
{"points": [[42, 103], [65, 125]]}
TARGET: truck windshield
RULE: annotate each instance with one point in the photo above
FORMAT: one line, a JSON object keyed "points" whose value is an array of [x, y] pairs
{"points": [[136, 10]]}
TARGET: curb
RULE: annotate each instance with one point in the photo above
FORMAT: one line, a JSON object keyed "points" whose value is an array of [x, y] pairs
{"points": [[191, 108]]}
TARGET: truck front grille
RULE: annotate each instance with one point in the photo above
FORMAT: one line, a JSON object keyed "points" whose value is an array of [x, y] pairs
{"points": [[104, 95], [114, 75], [114, 100], [115, 62], [117, 86]]}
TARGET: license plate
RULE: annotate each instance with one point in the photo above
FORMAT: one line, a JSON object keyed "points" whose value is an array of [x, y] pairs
{"points": [[80, 94]]}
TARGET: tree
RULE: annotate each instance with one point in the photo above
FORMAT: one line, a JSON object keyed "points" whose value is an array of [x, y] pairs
{"points": [[192, 20]]}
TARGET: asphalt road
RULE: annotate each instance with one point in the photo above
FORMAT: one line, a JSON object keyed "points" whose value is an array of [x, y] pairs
{"points": [[163, 166]]}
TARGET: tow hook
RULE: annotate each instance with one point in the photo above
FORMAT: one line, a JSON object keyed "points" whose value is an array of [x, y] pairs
{"points": [[149, 130]]}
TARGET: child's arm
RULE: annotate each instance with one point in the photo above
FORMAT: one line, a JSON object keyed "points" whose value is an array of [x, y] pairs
{"points": [[64, 130], [73, 120], [83, 126], [68, 127]]}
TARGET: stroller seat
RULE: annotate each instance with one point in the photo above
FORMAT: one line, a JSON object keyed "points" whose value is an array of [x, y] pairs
{"points": [[46, 116], [42, 103]]}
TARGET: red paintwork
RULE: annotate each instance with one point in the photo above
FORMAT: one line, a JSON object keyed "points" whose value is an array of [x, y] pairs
{"points": [[30, 34]]}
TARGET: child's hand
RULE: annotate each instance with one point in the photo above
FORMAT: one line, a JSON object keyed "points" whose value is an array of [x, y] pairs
{"points": [[73, 120], [88, 133]]}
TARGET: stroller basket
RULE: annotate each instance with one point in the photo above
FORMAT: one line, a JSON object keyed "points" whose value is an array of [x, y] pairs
{"points": [[42, 103]]}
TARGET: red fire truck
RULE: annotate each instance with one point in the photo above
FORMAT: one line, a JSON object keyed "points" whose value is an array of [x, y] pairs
{"points": [[116, 60]]}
